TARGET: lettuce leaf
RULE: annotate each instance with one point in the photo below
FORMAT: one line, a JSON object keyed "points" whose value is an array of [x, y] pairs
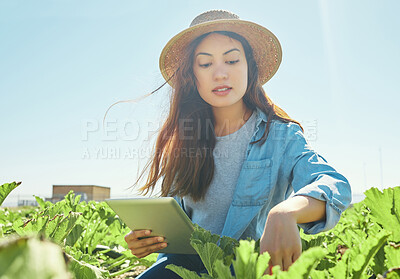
{"points": [[392, 252], [356, 259], [85, 270], [30, 257], [211, 247], [6, 189], [185, 273], [303, 266], [385, 209], [248, 263]]}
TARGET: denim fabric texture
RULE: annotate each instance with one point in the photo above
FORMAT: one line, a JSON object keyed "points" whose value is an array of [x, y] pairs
{"points": [[284, 163]]}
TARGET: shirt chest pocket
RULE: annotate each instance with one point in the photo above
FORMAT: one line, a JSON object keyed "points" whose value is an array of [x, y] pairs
{"points": [[254, 183]]}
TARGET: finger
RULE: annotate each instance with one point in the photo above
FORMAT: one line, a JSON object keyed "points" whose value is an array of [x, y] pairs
{"points": [[142, 255], [145, 242], [296, 255], [276, 261], [148, 249], [268, 270], [133, 235], [128, 236], [287, 261], [141, 233]]}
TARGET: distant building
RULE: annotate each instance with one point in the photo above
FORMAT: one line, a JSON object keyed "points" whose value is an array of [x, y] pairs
{"points": [[87, 192], [27, 203]]}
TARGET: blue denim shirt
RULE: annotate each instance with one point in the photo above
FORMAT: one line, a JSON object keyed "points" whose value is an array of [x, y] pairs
{"points": [[284, 163]]}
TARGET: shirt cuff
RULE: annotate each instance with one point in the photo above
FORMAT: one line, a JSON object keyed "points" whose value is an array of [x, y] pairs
{"points": [[333, 212]]}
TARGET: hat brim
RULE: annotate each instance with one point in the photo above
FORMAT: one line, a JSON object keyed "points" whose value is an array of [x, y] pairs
{"points": [[267, 50]]}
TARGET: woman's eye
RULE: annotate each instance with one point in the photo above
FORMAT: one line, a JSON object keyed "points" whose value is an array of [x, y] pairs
{"points": [[232, 62], [205, 65]]}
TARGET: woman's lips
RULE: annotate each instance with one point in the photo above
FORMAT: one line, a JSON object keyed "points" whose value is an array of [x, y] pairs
{"points": [[222, 91]]}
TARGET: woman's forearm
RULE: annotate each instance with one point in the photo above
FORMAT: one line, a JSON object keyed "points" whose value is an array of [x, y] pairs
{"points": [[302, 209]]}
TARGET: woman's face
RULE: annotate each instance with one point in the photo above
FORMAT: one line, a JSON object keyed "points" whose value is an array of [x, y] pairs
{"points": [[220, 68]]}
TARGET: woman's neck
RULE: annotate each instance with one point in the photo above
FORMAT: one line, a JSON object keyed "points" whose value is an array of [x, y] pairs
{"points": [[230, 119]]}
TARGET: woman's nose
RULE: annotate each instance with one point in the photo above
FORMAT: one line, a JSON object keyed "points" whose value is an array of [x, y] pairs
{"points": [[220, 72]]}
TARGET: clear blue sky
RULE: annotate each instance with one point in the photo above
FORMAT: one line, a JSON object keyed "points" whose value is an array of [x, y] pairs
{"points": [[62, 63]]}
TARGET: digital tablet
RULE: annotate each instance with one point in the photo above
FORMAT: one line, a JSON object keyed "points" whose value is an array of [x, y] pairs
{"points": [[163, 216]]}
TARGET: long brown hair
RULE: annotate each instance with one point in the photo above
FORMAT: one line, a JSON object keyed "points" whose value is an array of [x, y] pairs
{"points": [[183, 154]]}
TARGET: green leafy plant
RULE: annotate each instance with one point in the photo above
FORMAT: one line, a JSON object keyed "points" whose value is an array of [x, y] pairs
{"points": [[89, 235], [6, 189], [247, 262], [85, 240], [31, 257], [364, 243]]}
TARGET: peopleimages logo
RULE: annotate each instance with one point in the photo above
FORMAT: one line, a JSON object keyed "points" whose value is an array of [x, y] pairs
{"points": [[118, 153], [133, 130], [138, 135], [310, 129], [118, 130]]}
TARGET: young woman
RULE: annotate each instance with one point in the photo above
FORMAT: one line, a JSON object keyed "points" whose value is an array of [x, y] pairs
{"points": [[228, 155]]}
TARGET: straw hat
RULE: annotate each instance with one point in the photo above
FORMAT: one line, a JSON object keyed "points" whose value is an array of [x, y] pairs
{"points": [[267, 50]]}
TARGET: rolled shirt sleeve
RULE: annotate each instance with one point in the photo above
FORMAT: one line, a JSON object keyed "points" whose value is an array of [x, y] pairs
{"points": [[311, 175]]}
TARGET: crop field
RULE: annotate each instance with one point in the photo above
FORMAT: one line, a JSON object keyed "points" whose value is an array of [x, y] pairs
{"points": [[73, 239]]}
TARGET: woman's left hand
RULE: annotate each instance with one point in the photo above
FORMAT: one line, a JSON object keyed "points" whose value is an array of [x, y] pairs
{"points": [[281, 239]]}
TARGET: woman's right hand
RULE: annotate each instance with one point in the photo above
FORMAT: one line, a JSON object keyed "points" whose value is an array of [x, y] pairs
{"points": [[143, 247]]}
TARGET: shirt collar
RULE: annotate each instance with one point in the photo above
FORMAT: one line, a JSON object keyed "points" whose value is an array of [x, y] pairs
{"points": [[260, 117]]}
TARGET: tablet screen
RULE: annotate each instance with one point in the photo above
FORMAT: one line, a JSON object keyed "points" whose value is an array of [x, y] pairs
{"points": [[163, 216]]}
